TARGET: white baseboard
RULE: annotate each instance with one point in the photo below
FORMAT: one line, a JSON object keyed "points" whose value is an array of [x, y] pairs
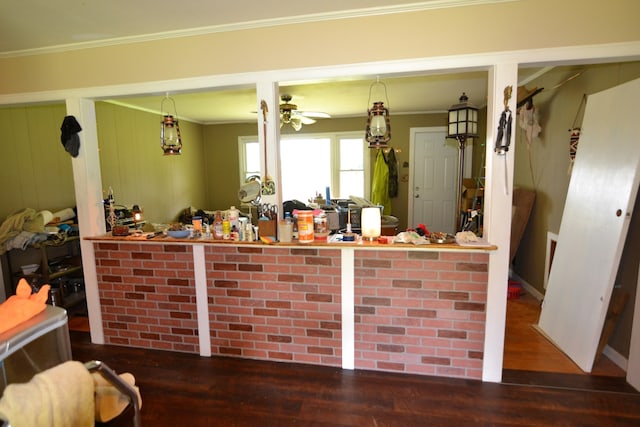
{"points": [[616, 357]]}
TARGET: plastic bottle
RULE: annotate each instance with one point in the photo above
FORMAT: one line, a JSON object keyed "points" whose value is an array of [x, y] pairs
{"points": [[217, 226], [232, 215], [305, 226], [226, 229]]}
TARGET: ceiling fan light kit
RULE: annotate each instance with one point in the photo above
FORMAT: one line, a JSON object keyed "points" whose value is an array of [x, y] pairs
{"points": [[290, 115]]}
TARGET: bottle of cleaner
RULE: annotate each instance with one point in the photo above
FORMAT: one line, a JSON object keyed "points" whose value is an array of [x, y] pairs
{"points": [[233, 215], [217, 226]]}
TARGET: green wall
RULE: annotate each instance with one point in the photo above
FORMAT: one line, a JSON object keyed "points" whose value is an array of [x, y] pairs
{"points": [[34, 167], [205, 176], [133, 164]]}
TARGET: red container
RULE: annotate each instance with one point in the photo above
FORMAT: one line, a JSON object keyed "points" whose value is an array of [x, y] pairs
{"points": [[514, 289]]}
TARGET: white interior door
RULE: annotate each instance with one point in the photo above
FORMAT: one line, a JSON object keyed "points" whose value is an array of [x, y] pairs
{"points": [[435, 163], [595, 221]]}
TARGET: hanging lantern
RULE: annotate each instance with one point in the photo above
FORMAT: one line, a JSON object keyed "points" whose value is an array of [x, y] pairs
{"points": [[170, 138], [378, 131]]}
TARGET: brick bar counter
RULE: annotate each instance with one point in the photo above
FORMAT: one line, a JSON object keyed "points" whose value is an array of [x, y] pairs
{"points": [[401, 308]]}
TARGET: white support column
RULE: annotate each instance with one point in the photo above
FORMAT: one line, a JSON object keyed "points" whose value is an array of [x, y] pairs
{"points": [[497, 223], [348, 308], [202, 302], [269, 92], [88, 192]]}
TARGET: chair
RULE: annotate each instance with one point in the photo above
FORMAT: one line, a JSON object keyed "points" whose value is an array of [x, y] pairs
{"points": [[39, 402]]}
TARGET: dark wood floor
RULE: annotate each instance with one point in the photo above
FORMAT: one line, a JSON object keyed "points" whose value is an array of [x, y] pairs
{"points": [[189, 390]]}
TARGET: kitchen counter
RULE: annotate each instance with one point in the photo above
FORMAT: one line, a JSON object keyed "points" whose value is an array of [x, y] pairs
{"points": [[417, 309], [148, 237]]}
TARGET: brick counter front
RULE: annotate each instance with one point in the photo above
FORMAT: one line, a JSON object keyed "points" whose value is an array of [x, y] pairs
{"points": [[413, 311], [147, 295]]}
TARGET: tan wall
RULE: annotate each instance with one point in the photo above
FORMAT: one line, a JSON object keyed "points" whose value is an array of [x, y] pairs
{"points": [[448, 31], [545, 168], [548, 157], [221, 153]]}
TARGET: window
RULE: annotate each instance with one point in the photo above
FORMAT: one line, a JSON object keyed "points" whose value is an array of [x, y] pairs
{"points": [[311, 163]]}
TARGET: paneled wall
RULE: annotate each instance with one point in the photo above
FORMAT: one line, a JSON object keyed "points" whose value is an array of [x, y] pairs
{"points": [[35, 170], [133, 164]]}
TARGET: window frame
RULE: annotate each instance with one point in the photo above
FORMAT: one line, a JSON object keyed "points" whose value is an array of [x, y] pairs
{"points": [[334, 137]]}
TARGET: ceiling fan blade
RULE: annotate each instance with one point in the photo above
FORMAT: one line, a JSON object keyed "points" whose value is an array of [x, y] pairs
{"points": [[305, 120], [314, 114]]}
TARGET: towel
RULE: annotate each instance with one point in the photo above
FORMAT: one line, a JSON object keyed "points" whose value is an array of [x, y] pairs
{"points": [[62, 396]]}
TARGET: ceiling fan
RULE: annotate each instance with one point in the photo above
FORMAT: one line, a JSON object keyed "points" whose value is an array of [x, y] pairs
{"points": [[289, 114]]}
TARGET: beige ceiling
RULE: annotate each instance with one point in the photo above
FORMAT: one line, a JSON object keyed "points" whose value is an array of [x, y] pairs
{"points": [[71, 24]]}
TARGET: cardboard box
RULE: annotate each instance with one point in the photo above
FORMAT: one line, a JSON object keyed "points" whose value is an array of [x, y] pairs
{"points": [[470, 192]]}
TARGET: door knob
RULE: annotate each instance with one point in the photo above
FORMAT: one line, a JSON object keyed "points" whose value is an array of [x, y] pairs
{"points": [[417, 196]]}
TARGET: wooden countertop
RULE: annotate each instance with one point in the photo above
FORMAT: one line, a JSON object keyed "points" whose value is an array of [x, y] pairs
{"points": [[365, 245]]}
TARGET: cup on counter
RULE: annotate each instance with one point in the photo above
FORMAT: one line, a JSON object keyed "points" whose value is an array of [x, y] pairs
{"points": [[285, 231], [196, 222]]}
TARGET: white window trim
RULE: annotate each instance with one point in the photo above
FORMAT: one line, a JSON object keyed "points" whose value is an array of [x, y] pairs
{"points": [[334, 138]]}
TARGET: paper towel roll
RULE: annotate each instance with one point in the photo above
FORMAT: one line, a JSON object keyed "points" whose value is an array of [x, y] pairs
{"points": [[64, 214], [46, 217]]}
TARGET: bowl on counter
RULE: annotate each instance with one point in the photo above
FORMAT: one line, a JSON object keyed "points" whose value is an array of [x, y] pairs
{"points": [[29, 268], [179, 234]]}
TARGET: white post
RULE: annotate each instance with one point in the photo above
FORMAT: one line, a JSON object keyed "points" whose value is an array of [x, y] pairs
{"points": [[348, 308], [268, 92], [88, 191], [497, 223]]}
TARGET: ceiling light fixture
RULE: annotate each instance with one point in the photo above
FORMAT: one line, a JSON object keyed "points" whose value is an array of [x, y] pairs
{"points": [[378, 131], [170, 138]]}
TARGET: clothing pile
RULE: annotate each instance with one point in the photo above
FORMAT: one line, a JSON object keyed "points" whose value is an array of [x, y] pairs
{"points": [[22, 229]]}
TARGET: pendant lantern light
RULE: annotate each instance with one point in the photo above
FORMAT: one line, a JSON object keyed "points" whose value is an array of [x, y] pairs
{"points": [[378, 131], [170, 138]]}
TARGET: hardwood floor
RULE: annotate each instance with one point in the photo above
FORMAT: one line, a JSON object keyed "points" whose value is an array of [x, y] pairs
{"points": [[189, 390], [530, 359], [527, 349]]}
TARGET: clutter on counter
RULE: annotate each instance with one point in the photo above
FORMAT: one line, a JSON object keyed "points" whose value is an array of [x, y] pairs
{"points": [[340, 221]]}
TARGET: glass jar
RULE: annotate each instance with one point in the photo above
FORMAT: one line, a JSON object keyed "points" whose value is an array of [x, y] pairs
{"points": [[320, 231]]}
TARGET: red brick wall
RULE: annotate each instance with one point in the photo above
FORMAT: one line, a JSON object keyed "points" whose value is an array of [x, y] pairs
{"points": [[275, 303], [420, 312], [417, 312], [147, 295]]}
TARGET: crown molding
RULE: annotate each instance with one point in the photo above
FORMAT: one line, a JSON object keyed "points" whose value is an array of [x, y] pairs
{"points": [[248, 25]]}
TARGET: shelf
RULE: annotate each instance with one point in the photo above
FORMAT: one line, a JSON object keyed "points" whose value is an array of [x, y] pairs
{"points": [[65, 272]]}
